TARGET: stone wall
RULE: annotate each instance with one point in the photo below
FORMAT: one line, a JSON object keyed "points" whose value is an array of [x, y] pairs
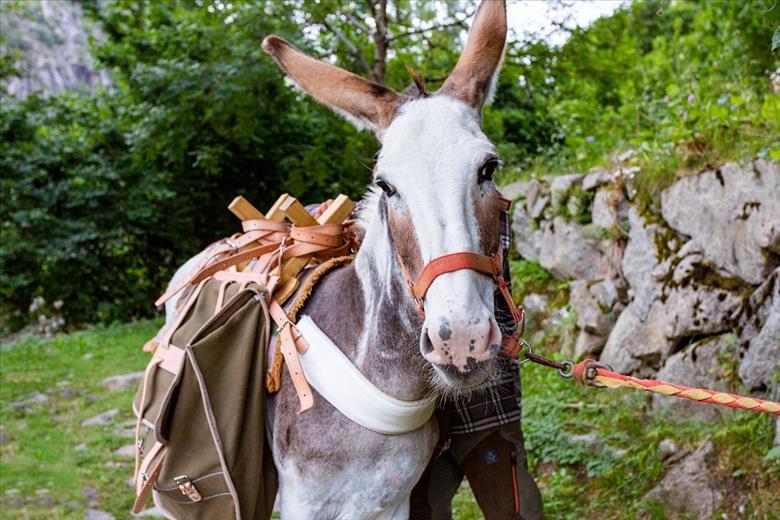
{"points": [[689, 293]]}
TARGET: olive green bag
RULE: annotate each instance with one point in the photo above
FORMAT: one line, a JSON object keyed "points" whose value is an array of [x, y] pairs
{"points": [[204, 453]]}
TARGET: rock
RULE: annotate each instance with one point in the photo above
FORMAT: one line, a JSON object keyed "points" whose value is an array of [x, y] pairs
{"points": [[127, 451], [100, 419], [561, 184], [667, 448], [777, 433], [515, 190], [535, 303], [639, 261], [733, 214], [606, 293], [591, 440], [88, 356], [37, 398], [588, 345], [609, 209], [596, 179], [63, 384], [557, 318], [42, 492], [151, 512], [689, 488], [81, 447], [633, 343], [16, 501], [761, 362], [698, 366], [96, 514], [590, 316], [123, 381], [128, 433], [90, 495], [527, 235], [694, 311], [5, 438], [536, 210], [566, 252], [12, 491]]}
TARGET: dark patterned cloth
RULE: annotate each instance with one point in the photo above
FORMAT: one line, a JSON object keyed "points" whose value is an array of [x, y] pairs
{"points": [[499, 403]]}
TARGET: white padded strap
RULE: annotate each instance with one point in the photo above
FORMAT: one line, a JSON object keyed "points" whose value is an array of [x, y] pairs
{"points": [[334, 376]]}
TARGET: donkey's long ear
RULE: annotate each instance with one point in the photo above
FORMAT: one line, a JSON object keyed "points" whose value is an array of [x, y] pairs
{"points": [[365, 104], [475, 74]]}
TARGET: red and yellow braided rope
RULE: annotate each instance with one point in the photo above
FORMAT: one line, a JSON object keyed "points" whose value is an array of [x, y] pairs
{"points": [[614, 380]]}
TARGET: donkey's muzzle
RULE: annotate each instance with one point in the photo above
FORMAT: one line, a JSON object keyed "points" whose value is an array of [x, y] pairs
{"points": [[462, 346]]}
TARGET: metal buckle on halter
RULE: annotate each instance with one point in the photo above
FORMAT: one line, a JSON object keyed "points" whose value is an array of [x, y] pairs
{"points": [[187, 488]]}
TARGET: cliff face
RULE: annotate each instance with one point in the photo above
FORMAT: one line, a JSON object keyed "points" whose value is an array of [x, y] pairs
{"points": [[691, 295], [49, 38]]}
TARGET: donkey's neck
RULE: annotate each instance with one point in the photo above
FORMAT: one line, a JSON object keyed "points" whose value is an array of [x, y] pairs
{"points": [[365, 310]]}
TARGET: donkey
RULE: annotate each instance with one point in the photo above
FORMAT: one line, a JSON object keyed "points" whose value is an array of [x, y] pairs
{"points": [[432, 194]]}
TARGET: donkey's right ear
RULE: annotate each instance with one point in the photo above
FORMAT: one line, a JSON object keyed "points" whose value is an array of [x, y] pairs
{"points": [[365, 104]]}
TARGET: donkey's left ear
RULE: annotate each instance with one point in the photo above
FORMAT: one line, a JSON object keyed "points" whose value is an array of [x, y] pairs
{"points": [[474, 77], [367, 105]]}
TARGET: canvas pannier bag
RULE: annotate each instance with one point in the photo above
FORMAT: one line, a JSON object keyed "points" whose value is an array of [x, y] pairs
{"points": [[204, 453]]}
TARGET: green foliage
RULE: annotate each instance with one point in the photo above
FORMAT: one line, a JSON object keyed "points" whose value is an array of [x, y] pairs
{"points": [[42, 451], [528, 276], [684, 84], [105, 193]]}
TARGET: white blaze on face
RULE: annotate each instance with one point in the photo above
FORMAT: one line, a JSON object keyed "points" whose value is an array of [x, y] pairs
{"points": [[431, 154]]}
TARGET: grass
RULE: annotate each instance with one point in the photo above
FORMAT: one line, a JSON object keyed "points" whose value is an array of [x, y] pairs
{"points": [[577, 481], [42, 452]]}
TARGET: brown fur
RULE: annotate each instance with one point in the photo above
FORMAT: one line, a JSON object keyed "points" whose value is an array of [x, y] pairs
{"points": [[336, 87], [470, 80], [405, 241]]}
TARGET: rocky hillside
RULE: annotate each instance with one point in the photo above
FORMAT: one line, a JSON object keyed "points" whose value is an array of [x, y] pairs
{"points": [[687, 291], [48, 38], [690, 292]]}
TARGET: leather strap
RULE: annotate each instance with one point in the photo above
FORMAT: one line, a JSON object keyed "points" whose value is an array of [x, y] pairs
{"points": [[291, 343], [215, 267], [489, 265]]}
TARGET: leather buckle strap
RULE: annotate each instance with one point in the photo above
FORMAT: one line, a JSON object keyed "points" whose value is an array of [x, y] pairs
{"points": [[489, 265], [291, 343]]}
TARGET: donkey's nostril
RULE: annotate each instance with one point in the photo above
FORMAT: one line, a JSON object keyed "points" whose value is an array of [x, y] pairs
{"points": [[426, 347]]}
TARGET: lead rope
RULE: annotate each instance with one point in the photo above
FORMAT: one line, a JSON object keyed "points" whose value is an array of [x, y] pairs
{"points": [[589, 372]]}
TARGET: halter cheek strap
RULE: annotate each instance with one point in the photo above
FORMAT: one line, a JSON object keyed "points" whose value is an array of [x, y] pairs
{"points": [[488, 265]]}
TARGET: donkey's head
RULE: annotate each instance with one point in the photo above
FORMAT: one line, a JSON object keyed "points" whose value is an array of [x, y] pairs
{"points": [[435, 173]]}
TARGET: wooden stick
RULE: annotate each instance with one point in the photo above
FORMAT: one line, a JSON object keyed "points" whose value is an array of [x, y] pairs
{"points": [[244, 209], [340, 209]]}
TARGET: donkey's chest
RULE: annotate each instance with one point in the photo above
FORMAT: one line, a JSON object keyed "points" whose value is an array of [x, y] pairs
{"points": [[330, 467]]}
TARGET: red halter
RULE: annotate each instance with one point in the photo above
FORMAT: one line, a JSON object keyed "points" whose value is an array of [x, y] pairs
{"points": [[488, 265]]}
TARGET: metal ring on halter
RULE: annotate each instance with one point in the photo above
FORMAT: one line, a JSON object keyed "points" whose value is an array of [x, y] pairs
{"points": [[570, 369], [524, 345]]}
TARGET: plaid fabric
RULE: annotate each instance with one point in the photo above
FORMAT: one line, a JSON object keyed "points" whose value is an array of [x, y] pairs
{"points": [[499, 403]]}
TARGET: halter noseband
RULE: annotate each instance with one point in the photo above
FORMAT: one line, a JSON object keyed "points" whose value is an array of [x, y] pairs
{"points": [[488, 265]]}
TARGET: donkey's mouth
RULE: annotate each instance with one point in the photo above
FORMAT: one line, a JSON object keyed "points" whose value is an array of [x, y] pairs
{"points": [[449, 381]]}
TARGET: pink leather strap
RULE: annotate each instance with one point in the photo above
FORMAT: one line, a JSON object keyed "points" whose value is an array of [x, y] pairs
{"points": [[291, 343]]}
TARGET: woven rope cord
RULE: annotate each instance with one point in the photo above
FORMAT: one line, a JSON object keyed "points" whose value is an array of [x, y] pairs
{"points": [[614, 380]]}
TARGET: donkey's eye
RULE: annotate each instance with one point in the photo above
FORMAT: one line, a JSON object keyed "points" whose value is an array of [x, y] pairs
{"points": [[389, 190], [486, 171]]}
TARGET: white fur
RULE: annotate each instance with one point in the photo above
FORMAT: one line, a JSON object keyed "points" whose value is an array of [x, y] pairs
{"points": [[431, 154]]}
